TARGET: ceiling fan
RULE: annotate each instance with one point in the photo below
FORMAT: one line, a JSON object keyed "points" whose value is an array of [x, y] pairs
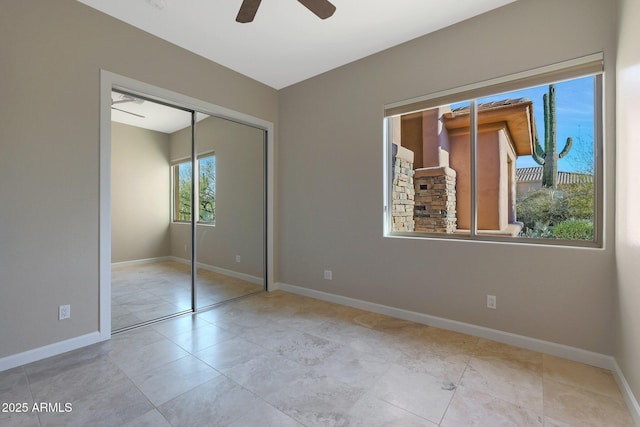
{"points": [[321, 8], [124, 99]]}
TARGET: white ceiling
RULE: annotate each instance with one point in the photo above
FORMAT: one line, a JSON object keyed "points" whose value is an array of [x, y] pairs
{"points": [[286, 43]]}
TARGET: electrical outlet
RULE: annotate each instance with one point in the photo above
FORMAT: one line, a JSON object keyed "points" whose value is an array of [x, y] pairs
{"points": [[328, 275], [491, 302], [64, 312], [237, 258]]}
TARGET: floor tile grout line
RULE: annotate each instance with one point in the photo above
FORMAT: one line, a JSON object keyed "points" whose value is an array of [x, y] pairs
{"points": [[444, 414], [157, 408], [506, 401], [142, 393], [264, 400], [544, 393], [404, 409], [458, 384], [26, 376], [179, 395]]}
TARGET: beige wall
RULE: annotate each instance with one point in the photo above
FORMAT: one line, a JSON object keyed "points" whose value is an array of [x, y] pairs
{"points": [[52, 53], [239, 228], [627, 324], [331, 174], [140, 193]]}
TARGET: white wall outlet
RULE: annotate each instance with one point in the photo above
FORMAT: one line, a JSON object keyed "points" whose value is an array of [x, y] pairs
{"points": [[491, 301], [64, 312], [328, 275], [237, 258]]}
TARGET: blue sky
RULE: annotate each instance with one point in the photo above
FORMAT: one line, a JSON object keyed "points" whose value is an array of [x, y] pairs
{"points": [[574, 113]]}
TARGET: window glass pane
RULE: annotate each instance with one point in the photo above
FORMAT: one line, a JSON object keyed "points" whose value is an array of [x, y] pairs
{"points": [[207, 199], [182, 183], [536, 162], [430, 183]]}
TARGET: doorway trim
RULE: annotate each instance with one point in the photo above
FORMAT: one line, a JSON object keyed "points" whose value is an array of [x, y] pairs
{"points": [[109, 81]]}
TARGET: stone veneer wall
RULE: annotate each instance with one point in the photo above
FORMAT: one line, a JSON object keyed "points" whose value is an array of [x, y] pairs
{"points": [[435, 200], [403, 191]]}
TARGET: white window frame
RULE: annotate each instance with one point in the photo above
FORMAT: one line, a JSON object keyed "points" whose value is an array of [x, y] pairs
{"points": [[175, 191]]}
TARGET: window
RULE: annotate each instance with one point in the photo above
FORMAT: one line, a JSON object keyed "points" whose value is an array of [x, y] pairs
{"points": [[484, 163], [206, 200]]}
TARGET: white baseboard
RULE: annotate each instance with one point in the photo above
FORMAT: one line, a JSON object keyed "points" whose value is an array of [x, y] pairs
{"points": [[236, 274], [54, 349], [554, 349], [141, 261], [629, 397], [242, 276]]}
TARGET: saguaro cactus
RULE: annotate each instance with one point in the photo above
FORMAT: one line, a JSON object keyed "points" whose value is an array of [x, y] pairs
{"points": [[548, 158]]}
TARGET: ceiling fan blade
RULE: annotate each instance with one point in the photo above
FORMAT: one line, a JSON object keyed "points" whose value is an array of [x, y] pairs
{"points": [[322, 8], [129, 112], [247, 11], [127, 98]]}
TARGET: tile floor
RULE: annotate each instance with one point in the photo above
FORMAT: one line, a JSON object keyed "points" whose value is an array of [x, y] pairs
{"points": [[144, 292], [279, 359]]}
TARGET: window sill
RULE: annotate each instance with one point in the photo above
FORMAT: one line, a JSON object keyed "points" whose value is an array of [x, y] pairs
{"points": [[496, 239]]}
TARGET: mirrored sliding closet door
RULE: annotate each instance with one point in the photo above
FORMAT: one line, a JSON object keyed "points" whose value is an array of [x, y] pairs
{"points": [[187, 210]]}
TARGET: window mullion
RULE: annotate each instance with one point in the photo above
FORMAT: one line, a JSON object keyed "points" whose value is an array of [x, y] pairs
{"points": [[598, 162], [195, 177], [473, 162], [388, 161]]}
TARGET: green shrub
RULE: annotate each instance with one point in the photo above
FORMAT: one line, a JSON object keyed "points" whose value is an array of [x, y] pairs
{"points": [[574, 229], [538, 231], [540, 208], [579, 200]]}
